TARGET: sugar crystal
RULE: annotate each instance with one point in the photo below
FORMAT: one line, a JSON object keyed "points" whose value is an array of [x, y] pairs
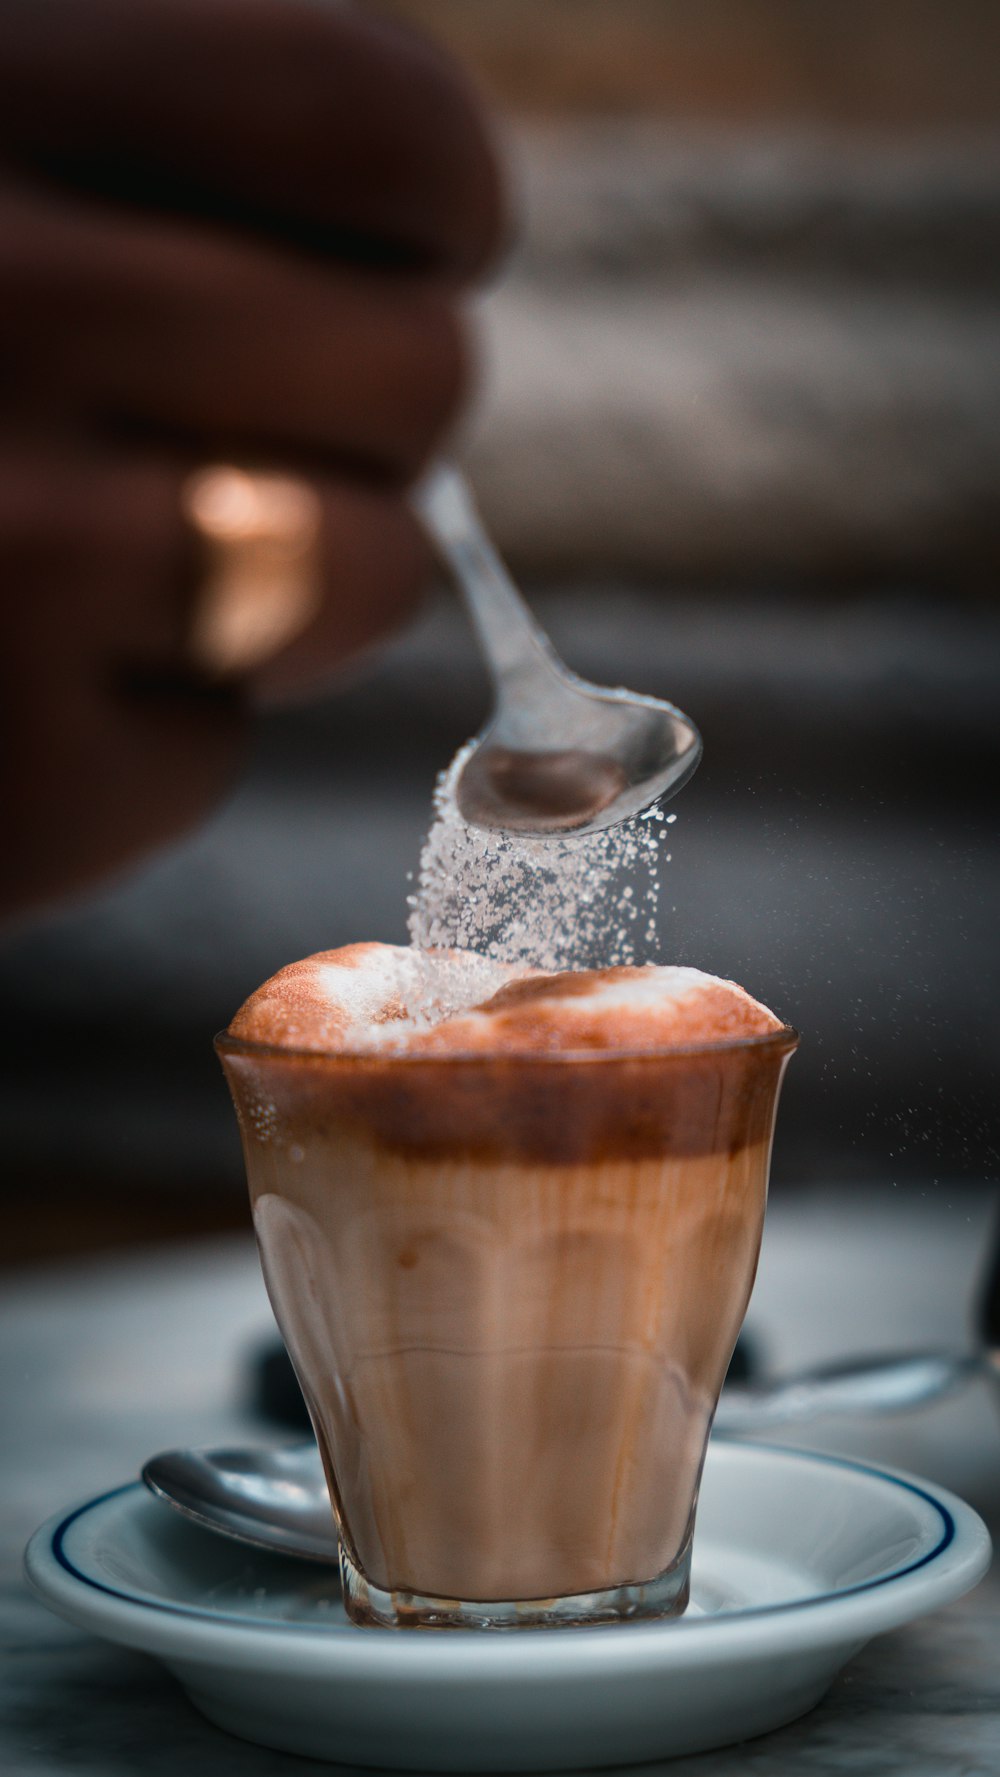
{"points": [[563, 902]]}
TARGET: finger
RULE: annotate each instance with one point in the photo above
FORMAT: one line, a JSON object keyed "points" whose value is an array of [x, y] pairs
{"points": [[232, 345], [103, 573], [375, 568], [92, 779], [94, 789], [272, 113], [110, 747]]}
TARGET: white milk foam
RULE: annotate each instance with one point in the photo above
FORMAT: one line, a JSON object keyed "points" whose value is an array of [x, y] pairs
{"points": [[570, 902], [421, 991], [390, 997]]}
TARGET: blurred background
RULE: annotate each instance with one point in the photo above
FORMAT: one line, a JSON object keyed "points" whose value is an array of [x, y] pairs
{"points": [[739, 435]]}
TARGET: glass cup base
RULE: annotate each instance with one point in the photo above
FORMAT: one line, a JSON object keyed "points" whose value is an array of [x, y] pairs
{"points": [[369, 1606]]}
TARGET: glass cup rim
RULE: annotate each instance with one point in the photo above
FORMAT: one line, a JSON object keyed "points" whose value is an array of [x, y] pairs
{"points": [[784, 1039]]}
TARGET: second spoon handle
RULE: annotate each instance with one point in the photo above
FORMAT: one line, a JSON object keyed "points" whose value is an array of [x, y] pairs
{"points": [[870, 1385]]}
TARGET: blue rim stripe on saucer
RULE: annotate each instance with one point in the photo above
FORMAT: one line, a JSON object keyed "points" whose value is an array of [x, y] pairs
{"points": [[688, 1624]]}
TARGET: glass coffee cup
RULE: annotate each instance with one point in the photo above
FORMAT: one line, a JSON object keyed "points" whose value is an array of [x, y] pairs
{"points": [[510, 1286]]}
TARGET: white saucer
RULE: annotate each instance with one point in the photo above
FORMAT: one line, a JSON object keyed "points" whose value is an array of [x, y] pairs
{"points": [[799, 1560]]}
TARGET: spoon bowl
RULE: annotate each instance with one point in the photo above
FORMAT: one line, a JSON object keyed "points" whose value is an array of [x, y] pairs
{"points": [[560, 755], [272, 1499]]}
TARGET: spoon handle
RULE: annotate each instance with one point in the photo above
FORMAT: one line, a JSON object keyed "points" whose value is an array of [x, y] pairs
{"points": [[869, 1385], [514, 645]]}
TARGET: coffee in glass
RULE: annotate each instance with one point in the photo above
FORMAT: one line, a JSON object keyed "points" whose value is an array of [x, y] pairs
{"points": [[509, 1225]]}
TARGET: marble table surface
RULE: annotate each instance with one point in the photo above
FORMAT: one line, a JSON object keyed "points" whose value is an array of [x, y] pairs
{"points": [[104, 1362]]}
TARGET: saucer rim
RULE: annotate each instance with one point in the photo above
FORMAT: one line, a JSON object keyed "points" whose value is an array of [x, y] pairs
{"points": [[958, 1559]]}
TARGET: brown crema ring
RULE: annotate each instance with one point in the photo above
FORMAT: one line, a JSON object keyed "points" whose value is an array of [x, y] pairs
{"points": [[555, 1108]]}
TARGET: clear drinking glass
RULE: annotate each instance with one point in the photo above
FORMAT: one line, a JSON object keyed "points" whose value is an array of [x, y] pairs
{"points": [[510, 1287]]}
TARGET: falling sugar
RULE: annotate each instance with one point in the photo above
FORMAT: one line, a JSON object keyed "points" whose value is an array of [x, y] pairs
{"points": [[567, 902]]}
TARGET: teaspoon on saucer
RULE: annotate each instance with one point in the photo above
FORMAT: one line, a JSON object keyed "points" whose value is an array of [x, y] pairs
{"points": [[559, 755], [274, 1499], [277, 1499]]}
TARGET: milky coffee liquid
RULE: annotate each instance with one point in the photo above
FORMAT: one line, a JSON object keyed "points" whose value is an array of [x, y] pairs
{"points": [[510, 1244]]}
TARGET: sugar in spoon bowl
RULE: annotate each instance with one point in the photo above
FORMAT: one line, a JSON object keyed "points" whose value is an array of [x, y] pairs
{"points": [[559, 755]]}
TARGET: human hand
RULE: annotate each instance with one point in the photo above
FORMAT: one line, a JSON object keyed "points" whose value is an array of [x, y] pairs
{"points": [[230, 230]]}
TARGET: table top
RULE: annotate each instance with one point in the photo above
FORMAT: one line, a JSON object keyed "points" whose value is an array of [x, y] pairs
{"points": [[106, 1361]]}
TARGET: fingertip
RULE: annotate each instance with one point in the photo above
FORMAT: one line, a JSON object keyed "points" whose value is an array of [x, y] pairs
{"points": [[377, 567]]}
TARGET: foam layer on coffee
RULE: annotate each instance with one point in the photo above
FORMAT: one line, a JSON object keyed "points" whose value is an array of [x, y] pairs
{"points": [[370, 997]]}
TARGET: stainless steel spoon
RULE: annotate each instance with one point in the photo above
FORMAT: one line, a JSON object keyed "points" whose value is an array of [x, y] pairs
{"points": [[277, 1499], [867, 1385], [559, 755], [274, 1499]]}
